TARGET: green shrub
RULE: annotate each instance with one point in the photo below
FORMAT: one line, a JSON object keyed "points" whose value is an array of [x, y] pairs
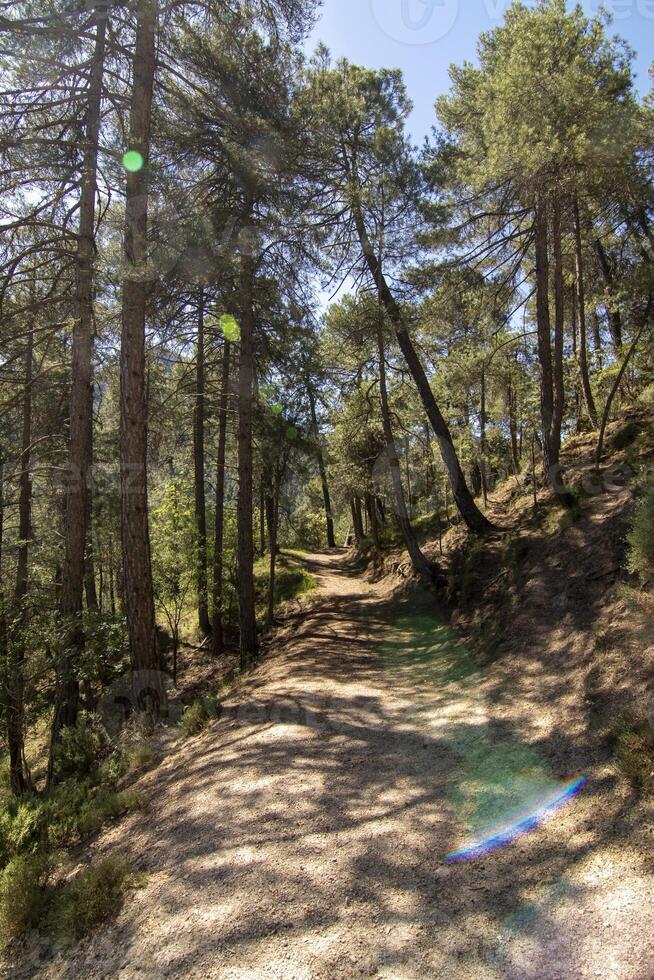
{"points": [[23, 895], [311, 530], [95, 895], [22, 827], [195, 717], [139, 755], [641, 535], [82, 747], [74, 809]]}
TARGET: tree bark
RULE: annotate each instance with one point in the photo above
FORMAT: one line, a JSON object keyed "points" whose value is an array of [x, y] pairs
{"points": [[90, 589], [245, 551], [217, 625], [559, 326], [198, 460], [262, 517], [273, 520], [616, 384], [550, 448], [581, 320], [513, 429], [482, 437], [418, 561], [331, 540], [5, 664], [357, 520], [371, 510], [18, 777], [137, 587], [78, 504], [472, 516]]}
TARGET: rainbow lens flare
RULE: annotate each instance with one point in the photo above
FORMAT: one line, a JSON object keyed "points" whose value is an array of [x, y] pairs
{"points": [[506, 833]]}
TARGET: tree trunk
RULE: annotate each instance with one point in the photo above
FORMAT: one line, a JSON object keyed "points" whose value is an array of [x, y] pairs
{"points": [[112, 572], [137, 588], [331, 540], [470, 513], [198, 460], [18, 777], [616, 384], [559, 327], [371, 510], [272, 532], [217, 626], [245, 551], [5, 665], [597, 338], [513, 429], [581, 320], [78, 503], [550, 448], [90, 589], [418, 561], [357, 521], [482, 437], [262, 518]]}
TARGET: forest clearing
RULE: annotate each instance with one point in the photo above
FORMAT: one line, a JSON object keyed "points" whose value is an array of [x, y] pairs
{"points": [[326, 493]]}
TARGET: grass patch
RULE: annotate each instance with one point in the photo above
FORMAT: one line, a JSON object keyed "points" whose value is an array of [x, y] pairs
{"points": [[632, 740], [641, 536], [291, 581], [94, 896], [195, 718], [74, 809], [559, 518], [139, 756], [23, 895]]}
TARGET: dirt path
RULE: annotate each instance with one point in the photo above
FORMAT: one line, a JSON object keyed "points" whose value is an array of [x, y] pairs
{"points": [[304, 835]]}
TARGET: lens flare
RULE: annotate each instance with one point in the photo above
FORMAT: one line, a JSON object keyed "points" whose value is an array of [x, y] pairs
{"points": [[506, 833], [277, 409], [291, 433], [230, 328], [132, 161]]}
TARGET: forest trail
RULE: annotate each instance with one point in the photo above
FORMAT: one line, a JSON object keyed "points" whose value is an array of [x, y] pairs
{"points": [[305, 833]]}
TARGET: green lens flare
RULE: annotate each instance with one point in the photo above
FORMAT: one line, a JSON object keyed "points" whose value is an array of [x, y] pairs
{"points": [[230, 328], [277, 409], [132, 161], [291, 432]]}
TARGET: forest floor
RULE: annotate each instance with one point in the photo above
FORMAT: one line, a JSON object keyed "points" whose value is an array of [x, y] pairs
{"points": [[304, 834]]}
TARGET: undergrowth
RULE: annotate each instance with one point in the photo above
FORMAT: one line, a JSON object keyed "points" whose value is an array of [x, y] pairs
{"points": [[66, 910], [641, 536], [632, 740], [291, 581], [36, 827]]}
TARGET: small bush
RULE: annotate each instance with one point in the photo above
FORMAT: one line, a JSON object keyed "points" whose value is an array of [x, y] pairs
{"points": [[633, 746], [104, 806], [627, 435], [23, 895], [95, 895], [139, 756], [641, 535], [82, 747], [194, 718], [74, 809]]}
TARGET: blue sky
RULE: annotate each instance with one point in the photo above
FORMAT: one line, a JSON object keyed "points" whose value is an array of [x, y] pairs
{"points": [[423, 37]]}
